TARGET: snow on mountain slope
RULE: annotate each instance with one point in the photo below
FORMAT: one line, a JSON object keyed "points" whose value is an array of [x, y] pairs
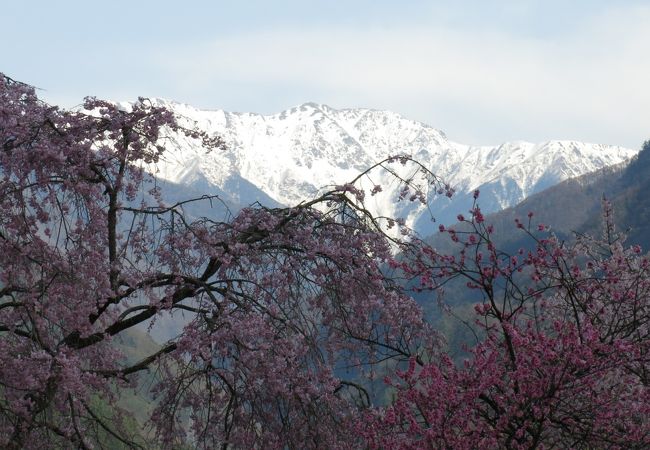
{"points": [[292, 155]]}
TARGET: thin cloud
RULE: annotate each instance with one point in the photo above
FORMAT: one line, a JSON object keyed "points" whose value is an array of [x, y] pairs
{"points": [[590, 81]]}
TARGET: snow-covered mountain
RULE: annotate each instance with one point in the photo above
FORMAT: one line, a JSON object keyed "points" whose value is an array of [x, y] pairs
{"points": [[290, 156]]}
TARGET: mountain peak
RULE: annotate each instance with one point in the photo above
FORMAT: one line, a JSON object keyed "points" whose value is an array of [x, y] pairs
{"points": [[314, 105]]}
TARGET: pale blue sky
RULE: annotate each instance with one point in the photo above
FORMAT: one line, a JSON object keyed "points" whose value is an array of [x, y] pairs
{"points": [[483, 71]]}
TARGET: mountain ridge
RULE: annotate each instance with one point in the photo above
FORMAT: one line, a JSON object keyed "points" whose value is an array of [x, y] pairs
{"points": [[292, 155]]}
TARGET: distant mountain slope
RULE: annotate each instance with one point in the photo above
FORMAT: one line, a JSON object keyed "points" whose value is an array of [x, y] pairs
{"points": [[288, 157], [571, 206]]}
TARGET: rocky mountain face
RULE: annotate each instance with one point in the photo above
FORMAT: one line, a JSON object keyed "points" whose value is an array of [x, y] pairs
{"points": [[285, 158]]}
